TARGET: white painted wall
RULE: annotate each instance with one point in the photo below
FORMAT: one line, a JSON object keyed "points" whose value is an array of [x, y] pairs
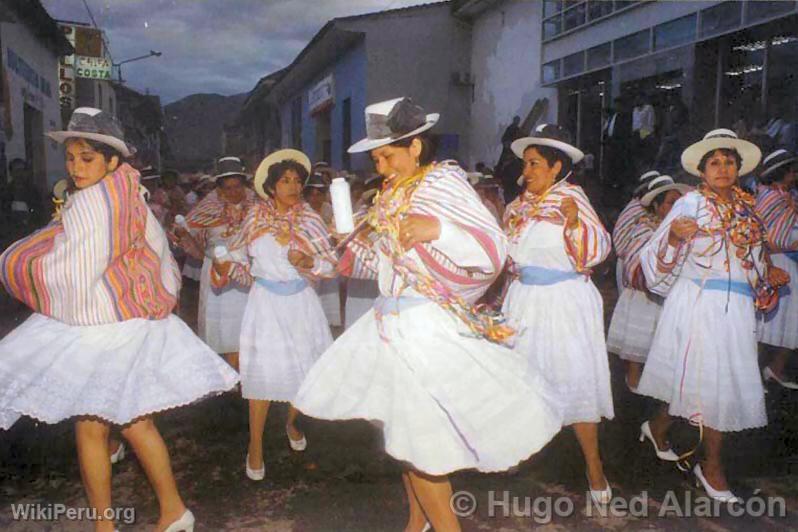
{"points": [[44, 61], [505, 60]]}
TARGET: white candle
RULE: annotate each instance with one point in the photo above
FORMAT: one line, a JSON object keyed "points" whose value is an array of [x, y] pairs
{"points": [[342, 206]]}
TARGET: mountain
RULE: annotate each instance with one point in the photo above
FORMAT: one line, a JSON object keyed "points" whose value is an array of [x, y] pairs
{"points": [[194, 127]]}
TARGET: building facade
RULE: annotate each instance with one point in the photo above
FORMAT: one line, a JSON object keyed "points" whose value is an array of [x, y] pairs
{"points": [[421, 52], [31, 44], [731, 63]]}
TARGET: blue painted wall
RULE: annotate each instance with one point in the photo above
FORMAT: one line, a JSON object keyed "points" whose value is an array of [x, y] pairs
{"points": [[349, 72]]}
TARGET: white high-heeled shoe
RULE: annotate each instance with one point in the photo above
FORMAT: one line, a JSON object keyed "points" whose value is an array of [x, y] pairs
{"points": [[184, 524], [297, 445], [600, 497], [119, 454], [255, 474], [645, 434], [768, 375], [719, 495]]}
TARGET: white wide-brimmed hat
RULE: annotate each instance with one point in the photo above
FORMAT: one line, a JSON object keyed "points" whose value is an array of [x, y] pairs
{"points": [[718, 139], [550, 135], [644, 181], [776, 160], [95, 124], [277, 157], [661, 185], [392, 120]]}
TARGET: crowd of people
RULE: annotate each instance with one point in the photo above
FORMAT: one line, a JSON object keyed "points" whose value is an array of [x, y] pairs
{"points": [[472, 332]]}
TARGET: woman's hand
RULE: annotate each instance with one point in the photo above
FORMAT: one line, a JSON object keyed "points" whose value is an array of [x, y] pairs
{"points": [[683, 228], [570, 212], [417, 228], [777, 277], [300, 260]]}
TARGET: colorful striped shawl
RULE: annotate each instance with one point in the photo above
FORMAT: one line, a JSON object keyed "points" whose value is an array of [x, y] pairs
{"points": [[106, 260], [213, 211], [638, 237], [778, 211], [586, 245], [625, 226]]}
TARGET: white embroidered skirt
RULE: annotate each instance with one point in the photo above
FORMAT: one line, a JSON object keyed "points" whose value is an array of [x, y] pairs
{"points": [[780, 327], [703, 360], [633, 324], [220, 314], [281, 339], [445, 400], [563, 335], [118, 372]]}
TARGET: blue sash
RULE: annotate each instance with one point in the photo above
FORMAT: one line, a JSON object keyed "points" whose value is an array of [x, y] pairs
{"points": [[537, 276], [724, 285], [283, 288], [792, 255]]}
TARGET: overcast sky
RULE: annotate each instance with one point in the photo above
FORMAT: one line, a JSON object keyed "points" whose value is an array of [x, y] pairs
{"points": [[221, 46]]}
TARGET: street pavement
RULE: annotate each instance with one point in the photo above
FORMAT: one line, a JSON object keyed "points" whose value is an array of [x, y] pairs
{"points": [[344, 481]]}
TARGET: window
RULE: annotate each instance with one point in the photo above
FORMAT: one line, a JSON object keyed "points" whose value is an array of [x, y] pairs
{"points": [[551, 71], [598, 8], [599, 56], [551, 7], [675, 32], [631, 46], [573, 64], [552, 27], [721, 18], [763, 10], [574, 17]]}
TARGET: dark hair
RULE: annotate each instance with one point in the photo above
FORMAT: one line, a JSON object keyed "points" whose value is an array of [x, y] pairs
{"points": [[779, 173], [277, 170], [428, 147], [728, 152], [552, 155], [104, 149], [18, 162], [241, 177]]}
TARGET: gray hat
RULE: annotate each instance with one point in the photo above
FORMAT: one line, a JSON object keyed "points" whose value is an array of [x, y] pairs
{"points": [[229, 166], [95, 124]]}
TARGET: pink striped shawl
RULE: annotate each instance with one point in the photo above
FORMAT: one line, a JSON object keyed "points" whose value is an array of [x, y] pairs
{"points": [[587, 245], [778, 211], [106, 260], [625, 226], [445, 194]]}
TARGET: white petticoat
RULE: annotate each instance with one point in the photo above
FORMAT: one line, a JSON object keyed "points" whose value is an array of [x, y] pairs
{"points": [[633, 324], [445, 401], [780, 327], [703, 360], [564, 337], [121, 371], [281, 339], [220, 314], [329, 291]]}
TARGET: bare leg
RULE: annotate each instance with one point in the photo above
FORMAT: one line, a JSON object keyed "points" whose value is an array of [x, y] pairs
{"points": [[659, 425], [435, 494], [95, 467], [258, 410], [633, 372], [587, 434], [712, 466], [232, 359], [416, 519], [778, 361], [290, 424], [153, 456]]}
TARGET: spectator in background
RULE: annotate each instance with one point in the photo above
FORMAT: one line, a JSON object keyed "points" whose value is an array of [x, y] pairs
{"points": [[675, 120], [617, 140], [25, 200], [643, 125]]}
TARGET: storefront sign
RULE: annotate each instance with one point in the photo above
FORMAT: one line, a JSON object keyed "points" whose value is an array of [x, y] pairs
{"points": [[322, 95], [66, 73], [92, 67]]}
